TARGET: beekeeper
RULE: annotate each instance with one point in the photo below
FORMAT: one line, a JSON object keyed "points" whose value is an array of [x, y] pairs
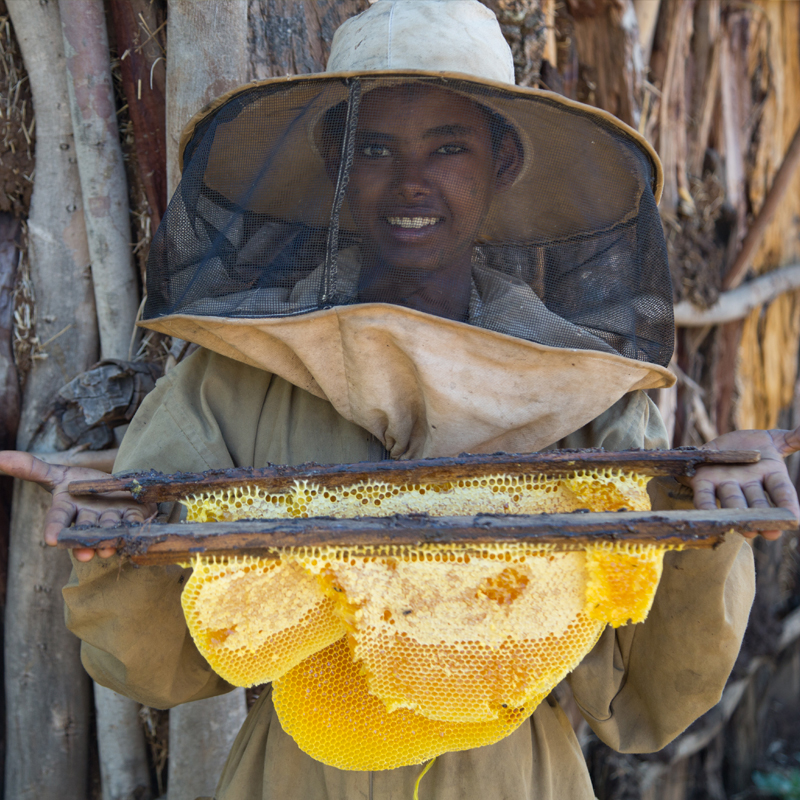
{"points": [[410, 256]]}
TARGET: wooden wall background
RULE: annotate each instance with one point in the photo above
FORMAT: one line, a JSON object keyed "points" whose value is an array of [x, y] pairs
{"points": [[714, 84]]}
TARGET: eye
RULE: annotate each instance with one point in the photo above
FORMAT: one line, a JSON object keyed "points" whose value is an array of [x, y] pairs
{"points": [[451, 149], [376, 151]]}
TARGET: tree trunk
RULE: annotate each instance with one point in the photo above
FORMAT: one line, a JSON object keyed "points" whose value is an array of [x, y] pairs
{"points": [[207, 56], [47, 689], [103, 183], [120, 738], [144, 83]]}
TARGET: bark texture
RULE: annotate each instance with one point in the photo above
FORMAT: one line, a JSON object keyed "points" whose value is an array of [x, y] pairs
{"points": [[207, 56], [102, 174], [144, 82], [47, 690], [201, 736], [123, 761]]}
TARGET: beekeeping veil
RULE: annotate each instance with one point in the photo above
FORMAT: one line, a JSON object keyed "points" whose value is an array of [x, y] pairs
{"points": [[454, 262]]}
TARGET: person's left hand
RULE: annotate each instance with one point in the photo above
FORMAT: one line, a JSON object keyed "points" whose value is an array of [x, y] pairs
{"points": [[750, 485]]}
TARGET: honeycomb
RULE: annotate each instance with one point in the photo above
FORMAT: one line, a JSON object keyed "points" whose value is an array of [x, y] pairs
{"points": [[595, 490], [459, 637], [325, 706], [387, 656], [245, 635], [622, 582]]}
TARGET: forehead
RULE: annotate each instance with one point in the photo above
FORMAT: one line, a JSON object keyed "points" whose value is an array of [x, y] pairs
{"points": [[418, 108]]}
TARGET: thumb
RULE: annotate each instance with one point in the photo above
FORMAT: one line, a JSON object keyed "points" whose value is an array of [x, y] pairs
{"points": [[26, 467], [786, 442]]}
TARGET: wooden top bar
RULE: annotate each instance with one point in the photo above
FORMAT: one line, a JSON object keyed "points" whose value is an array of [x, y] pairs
{"points": [[155, 487], [154, 543]]}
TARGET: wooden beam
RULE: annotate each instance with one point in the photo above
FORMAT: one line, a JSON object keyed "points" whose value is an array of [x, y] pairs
{"points": [[738, 303], [155, 487], [154, 543], [751, 243]]}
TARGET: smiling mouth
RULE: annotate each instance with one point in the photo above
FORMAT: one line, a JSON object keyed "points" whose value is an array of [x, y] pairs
{"points": [[412, 222]]}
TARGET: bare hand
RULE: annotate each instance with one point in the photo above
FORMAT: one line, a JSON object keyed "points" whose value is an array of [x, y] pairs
{"points": [[750, 485], [105, 511]]}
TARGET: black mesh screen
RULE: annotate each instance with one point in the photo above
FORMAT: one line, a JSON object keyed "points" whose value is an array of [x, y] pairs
{"points": [[506, 210]]}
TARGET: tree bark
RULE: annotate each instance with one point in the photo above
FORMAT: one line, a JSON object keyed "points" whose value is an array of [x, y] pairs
{"points": [[207, 56], [9, 380], [47, 689], [144, 82], [607, 38], [207, 729], [9, 405], [293, 37], [120, 739], [103, 182]]}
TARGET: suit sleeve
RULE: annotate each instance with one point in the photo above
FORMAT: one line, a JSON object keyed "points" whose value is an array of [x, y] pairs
{"points": [[134, 636]]}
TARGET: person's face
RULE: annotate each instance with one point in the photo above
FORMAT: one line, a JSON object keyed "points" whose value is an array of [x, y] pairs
{"points": [[423, 177]]}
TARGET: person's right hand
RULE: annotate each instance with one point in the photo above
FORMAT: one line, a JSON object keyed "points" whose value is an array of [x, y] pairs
{"points": [[103, 510]]}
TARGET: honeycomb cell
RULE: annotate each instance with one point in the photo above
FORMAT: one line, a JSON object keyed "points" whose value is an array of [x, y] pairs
{"points": [[459, 642], [596, 490], [623, 579], [255, 618], [325, 706], [385, 656]]}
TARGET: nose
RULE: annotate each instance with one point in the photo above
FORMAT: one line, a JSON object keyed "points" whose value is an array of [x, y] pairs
{"points": [[411, 182]]}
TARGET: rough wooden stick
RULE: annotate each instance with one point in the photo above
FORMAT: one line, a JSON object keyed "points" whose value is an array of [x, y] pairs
{"points": [[751, 243], [155, 487], [738, 303], [206, 56], [164, 543], [47, 690], [102, 172]]}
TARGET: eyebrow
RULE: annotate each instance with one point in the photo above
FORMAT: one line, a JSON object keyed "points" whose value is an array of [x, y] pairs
{"points": [[448, 130], [431, 133]]}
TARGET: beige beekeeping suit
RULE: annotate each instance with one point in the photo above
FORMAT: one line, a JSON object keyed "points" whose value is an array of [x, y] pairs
{"points": [[638, 688]]}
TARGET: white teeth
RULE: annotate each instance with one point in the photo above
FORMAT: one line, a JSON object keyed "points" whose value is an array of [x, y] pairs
{"points": [[412, 222]]}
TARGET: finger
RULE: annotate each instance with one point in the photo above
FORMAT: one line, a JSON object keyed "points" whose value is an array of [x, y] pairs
{"points": [[83, 554], [134, 515], [29, 468], [772, 535], [106, 552], [86, 516], [705, 496], [730, 495], [59, 516], [786, 442], [782, 492], [110, 517], [755, 496]]}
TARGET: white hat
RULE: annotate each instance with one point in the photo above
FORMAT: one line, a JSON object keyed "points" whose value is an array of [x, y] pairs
{"points": [[432, 35]]}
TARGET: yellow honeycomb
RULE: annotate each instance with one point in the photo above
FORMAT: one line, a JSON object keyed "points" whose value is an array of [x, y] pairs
{"points": [[622, 582], [459, 637], [385, 656], [595, 490], [255, 618], [324, 704]]}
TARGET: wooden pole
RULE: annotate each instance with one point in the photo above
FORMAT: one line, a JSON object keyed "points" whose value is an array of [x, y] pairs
{"points": [[179, 543], [739, 302], [207, 54], [47, 690], [751, 243], [102, 173], [155, 487]]}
